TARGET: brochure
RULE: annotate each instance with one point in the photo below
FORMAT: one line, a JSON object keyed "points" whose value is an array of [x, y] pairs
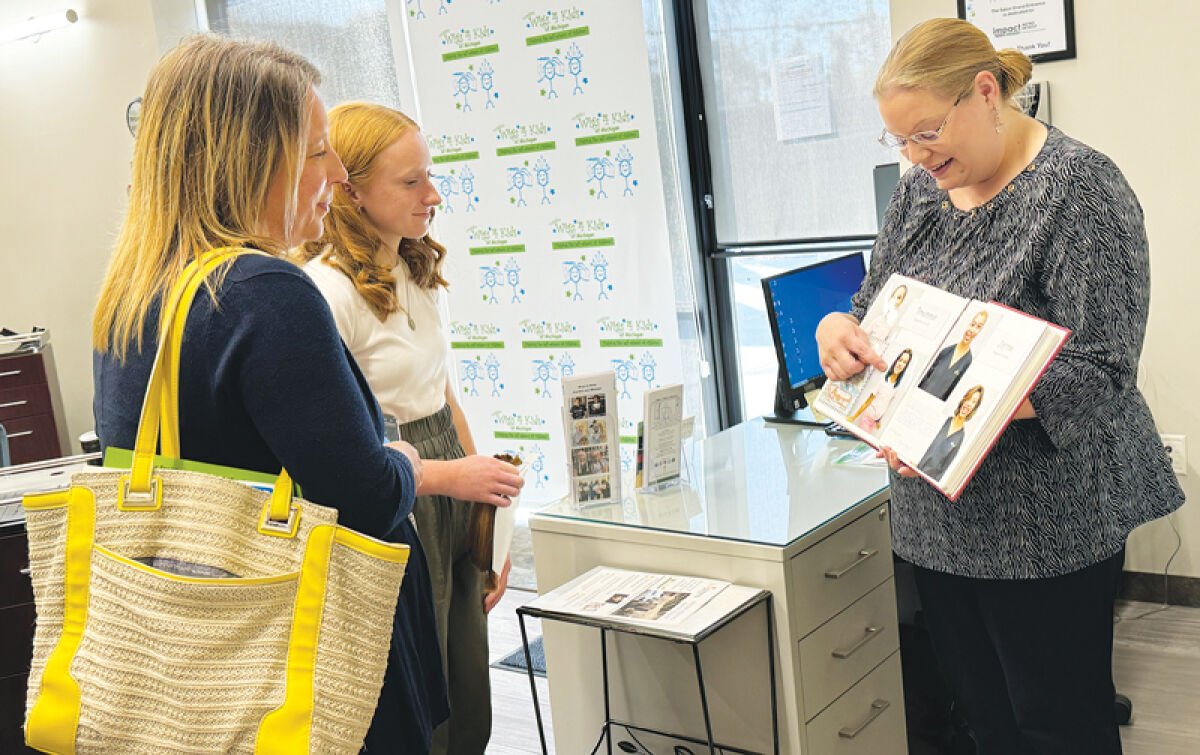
{"points": [[640, 597], [593, 438], [662, 450]]}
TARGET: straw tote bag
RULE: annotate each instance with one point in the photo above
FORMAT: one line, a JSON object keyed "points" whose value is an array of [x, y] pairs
{"points": [[186, 612]]}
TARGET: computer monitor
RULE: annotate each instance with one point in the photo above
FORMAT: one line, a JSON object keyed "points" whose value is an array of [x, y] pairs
{"points": [[796, 302]]}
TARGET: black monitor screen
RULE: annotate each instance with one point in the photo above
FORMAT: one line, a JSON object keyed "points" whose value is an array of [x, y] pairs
{"points": [[796, 302]]}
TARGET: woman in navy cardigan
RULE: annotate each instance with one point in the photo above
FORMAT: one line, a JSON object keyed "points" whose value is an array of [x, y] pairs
{"points": [[232, 151]]}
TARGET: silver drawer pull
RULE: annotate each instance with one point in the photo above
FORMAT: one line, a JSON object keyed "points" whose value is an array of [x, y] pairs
{"points": [[863, 556], [10, 373], [21, 434], [25, 571], [877, 708], [868, 634], [13, 403]]}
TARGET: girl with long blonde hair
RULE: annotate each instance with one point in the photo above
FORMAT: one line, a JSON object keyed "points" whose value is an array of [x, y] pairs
{"points": [[380, 271]]}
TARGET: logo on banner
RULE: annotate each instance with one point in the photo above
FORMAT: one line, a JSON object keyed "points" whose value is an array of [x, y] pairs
{"points": [[474, 41], [548, 334], [628, 332], [564, 21], [481, 370], [451, 148], [519, 426], [523, 138], [601, 168], [631, 333], [580, 233], [508, 275], [545, 371], [586, 270], [519, 179], [475, 335], [605, 127]]}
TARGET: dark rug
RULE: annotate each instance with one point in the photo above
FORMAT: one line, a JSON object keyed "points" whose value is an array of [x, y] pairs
{"points": [[515, 661]]}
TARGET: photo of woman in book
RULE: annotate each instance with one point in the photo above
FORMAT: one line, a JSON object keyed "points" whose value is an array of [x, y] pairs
{"points": [[945, 445], [881, 327], [870, 411], [953, 361]]}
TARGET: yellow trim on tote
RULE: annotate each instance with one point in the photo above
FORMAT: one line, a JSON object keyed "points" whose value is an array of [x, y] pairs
{"points": [[54, 717], [43, 501], [288, 728], [397, 553]]}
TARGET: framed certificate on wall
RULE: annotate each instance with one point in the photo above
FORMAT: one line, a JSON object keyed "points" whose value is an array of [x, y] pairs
{"points": [[1042, 29]]}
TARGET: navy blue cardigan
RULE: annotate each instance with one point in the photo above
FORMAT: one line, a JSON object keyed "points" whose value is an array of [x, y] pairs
{"points": [[266, 382]]}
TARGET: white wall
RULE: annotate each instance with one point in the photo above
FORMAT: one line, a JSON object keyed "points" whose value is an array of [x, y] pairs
{"points": [[66, 165], [1127, 94]]}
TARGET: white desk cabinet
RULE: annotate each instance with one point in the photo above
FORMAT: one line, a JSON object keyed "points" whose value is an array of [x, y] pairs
{"points": [[767, 507]]}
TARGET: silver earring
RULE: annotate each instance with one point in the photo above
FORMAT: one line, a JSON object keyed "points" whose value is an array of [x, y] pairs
{"points": [[999, 125]]}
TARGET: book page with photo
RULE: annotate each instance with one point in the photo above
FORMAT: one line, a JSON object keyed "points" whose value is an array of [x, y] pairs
{"points": [[905, 323], [957, 371], [970, 382]]}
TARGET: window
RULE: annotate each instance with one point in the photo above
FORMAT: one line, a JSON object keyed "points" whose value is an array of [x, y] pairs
{"points": [[347, 40], [768, 189], [789, 132]]}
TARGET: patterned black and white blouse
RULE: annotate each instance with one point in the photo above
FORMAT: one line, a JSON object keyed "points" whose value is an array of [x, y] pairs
{"points": [[1064, 241]]}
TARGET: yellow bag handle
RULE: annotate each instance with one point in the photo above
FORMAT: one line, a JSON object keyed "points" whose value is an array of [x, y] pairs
{"points": [[160, 408]]}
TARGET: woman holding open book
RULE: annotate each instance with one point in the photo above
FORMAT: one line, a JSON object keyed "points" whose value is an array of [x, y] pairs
{"points": [[380, 271], [1017, 577]]}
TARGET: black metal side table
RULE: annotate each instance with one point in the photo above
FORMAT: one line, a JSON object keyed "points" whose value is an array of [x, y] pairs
{"points": [[743, 604]]}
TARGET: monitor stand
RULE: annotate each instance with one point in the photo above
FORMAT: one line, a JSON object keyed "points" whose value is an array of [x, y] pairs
{"points": [[791, 407], [803, 416]]}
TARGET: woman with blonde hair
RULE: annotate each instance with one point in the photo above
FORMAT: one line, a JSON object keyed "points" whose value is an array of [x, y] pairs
{"points": [[1017, 577], [380, 271], [233, 151], [943, 449]]}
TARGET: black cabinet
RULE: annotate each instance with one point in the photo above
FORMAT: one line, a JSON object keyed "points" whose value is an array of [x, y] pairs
{"points": [[17, 619]]}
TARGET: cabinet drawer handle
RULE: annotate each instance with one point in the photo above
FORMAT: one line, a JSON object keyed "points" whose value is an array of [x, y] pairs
{"points": [[21, 434], [863, 556], [10, 373], [877, 708], [13, 403], [869, 634]]}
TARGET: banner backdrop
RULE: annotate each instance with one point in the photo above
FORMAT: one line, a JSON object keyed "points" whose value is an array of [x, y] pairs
{"points": [[541, 125]]}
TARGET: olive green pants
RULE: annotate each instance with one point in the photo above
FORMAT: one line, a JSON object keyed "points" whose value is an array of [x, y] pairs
{"points": [[458, 596]]}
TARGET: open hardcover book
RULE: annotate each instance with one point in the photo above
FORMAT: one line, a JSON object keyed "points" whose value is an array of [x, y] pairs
{"points": [[958, 369]]}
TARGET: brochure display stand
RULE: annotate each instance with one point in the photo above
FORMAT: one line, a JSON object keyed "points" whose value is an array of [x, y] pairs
{"points": [[725, 606]]}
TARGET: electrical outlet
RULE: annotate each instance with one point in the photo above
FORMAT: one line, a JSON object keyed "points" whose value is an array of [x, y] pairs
{"points": [[1176, 446]]}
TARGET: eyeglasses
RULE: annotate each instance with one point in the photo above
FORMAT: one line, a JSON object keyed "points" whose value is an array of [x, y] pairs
{"points": [[888, 139]]}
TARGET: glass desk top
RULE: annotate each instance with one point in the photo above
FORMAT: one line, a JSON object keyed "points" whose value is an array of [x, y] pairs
{"points": [[757, 482]]}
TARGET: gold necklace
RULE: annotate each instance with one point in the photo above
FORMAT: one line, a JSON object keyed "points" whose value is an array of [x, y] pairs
{"points": [[412, 324]]}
